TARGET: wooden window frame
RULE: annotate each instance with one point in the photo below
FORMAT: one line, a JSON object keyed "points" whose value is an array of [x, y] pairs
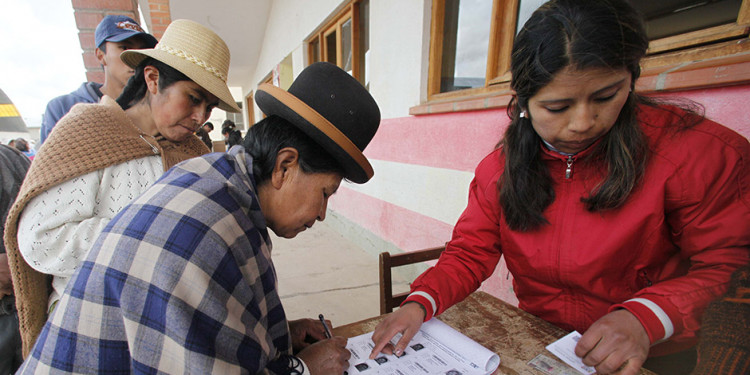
{"points": [[502, 32], [349, 11], [726, 45], [709, 43], [269, 80], [312, 49]]}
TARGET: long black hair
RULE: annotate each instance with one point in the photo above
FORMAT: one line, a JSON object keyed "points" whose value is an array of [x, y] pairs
{"points": [[135, 90], [582, 34], [266, 138]]}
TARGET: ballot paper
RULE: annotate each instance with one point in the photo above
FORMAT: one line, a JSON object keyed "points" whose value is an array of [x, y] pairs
{"points": [[435, 349], [564, 349]]}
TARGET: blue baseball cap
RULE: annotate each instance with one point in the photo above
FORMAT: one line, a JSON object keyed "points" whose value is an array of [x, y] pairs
{"points": [[118, 28]]}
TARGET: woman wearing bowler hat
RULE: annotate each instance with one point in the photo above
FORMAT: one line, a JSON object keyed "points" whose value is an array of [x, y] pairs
{"points": [[182, 281], [101, 156]]}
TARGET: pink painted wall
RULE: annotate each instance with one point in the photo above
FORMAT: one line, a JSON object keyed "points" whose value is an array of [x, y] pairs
{"points": [[729, 106], [456, 140], [451, 141], [459, 141]]}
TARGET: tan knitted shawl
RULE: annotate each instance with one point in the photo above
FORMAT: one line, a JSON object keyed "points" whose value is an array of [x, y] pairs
{"points": [[89, 138]]}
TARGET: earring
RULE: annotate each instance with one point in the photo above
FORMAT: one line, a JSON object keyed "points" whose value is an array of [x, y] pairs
{"points": [[523, 114]]}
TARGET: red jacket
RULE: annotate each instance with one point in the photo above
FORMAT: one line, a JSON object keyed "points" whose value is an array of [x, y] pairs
{"points": [[664, 255]]}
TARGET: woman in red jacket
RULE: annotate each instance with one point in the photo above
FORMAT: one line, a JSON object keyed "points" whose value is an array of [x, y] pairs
{"points": [[618, 216]]}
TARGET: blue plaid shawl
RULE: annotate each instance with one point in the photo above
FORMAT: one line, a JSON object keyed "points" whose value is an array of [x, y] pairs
{"points": [[180, 281]]}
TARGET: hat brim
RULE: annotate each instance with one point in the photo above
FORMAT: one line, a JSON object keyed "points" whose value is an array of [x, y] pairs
{"points": [[150, 39], [202, 77], [275, 101]]}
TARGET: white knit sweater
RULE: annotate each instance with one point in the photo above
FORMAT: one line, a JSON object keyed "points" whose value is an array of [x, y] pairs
{"points": [[58, 227]]}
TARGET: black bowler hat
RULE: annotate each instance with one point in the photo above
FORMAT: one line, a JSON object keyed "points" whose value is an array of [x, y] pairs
{"points": [[333, 109]]}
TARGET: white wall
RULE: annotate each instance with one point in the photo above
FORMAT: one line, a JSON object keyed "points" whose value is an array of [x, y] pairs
{"points": [[399, 46], [289, 23]]}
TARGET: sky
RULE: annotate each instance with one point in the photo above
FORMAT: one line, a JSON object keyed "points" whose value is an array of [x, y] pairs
{"points": [[40, 55]]}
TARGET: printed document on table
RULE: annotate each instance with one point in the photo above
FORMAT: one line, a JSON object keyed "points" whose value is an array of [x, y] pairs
{"points": [[435, 349]]}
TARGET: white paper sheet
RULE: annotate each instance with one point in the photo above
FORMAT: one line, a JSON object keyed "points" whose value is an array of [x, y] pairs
{"points": [[435, 349], [564, 349]]}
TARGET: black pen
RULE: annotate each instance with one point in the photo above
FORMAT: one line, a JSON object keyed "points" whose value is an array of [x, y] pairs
{"points": [[325, 326]]}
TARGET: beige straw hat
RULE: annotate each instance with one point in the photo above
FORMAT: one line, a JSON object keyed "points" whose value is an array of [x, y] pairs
{"points": [[196, 52]]}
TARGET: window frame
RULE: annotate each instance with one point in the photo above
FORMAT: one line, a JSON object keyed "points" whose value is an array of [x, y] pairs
{"points": [[250, 108], [350, 11], [724, 45], [504, 14], [269, 80], [708, 43]]}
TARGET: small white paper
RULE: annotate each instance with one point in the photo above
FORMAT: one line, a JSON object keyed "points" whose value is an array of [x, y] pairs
{"points": [[564, 349]]}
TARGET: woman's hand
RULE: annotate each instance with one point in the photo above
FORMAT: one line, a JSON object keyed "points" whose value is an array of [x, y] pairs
{"points": [[407, 320], [325, 357], [305, 332], [615, 342]]}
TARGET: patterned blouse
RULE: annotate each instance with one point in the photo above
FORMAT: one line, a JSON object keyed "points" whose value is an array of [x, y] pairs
{"points": [[60, 224]]}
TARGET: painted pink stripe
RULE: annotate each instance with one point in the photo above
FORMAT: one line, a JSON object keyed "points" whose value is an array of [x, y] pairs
{"points": [[460, 140], [406, 229], [725, 105], [452, 140]]}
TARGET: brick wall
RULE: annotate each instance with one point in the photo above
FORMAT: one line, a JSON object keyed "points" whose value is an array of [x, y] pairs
{"points": [[88, 14], [160, 17]]}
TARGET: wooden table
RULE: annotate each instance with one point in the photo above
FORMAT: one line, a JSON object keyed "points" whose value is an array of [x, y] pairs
{"points": [[515, 335]]}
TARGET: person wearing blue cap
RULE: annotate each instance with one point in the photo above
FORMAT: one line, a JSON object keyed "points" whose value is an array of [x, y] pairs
{"points": [[114, 34]]}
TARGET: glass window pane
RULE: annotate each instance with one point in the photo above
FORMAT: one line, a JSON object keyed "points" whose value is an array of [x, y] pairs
{"points": [[466, 33], [286, 72], [346, 45], [315, 46], [671, 17], [331, 47], [364, 42], [525, 8]]}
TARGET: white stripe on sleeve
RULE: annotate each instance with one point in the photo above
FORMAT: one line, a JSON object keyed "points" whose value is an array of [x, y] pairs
{"points": [[429, 298], [663, 317]]}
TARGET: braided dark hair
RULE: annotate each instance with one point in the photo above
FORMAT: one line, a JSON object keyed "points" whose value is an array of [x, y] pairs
{"points": [[264, 140]]}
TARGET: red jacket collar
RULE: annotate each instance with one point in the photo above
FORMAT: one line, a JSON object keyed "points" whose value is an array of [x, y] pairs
{"points": [[550, 154]]}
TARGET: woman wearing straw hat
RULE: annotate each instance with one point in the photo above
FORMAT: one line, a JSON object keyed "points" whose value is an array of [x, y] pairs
{"points": [[182, 281], [101, 156]]}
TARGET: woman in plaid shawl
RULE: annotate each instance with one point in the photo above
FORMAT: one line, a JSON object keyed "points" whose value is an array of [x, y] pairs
{"points": [[100, 156], [181, 280]]}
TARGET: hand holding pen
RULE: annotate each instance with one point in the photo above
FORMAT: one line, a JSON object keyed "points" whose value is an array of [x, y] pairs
{"points": [[327, 356], [325, 326], [305, 332]]}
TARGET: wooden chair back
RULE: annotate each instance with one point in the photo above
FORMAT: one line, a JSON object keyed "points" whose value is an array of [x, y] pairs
{"points": [[219, 146], [389, 301]]}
